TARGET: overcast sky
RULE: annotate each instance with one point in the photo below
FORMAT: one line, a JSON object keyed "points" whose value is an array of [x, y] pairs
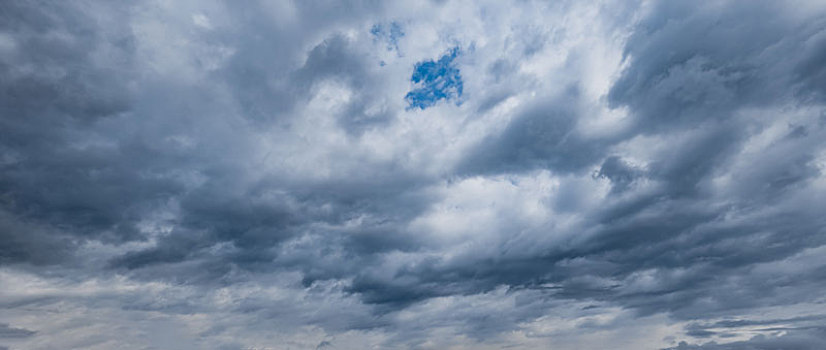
{"points": [[413, 174]]}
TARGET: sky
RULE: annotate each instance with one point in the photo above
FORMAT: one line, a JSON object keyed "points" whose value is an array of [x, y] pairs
{"points": [[446, 174]]}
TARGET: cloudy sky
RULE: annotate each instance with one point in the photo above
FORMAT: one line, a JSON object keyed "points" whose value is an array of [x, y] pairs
{"points": [[413, 175]]}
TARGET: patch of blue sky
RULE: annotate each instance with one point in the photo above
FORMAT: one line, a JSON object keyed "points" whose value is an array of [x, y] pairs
{"points": [[435, 81], [388, 32]]}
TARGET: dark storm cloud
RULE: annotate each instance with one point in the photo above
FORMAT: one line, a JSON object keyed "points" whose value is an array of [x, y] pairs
{"points": [[620, 173], [541, 136], [290, 173], [100, 178], [39, 245], [51, 93], [335, 59], [7, 332], [261, 72], [684, 79], [693, 64]]}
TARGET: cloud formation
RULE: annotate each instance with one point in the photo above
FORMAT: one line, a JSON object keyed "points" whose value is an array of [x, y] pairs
{"points": [[443, 174]]}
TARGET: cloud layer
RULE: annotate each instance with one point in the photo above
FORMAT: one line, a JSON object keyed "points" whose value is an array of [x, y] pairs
{"points": [[422, 175]]}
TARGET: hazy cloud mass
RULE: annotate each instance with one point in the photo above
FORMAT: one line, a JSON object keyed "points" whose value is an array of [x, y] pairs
{"points": [[413, 175]]}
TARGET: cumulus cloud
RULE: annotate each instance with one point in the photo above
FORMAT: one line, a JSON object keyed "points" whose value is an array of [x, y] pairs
{"points": [[443, 174]]}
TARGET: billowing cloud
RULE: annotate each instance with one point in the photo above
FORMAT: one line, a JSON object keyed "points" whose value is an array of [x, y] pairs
{"points": [[444, 174]]}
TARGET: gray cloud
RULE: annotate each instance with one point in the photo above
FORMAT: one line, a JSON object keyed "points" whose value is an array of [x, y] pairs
{"points": [[10, 332], [234, 174], [793, 340]]}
